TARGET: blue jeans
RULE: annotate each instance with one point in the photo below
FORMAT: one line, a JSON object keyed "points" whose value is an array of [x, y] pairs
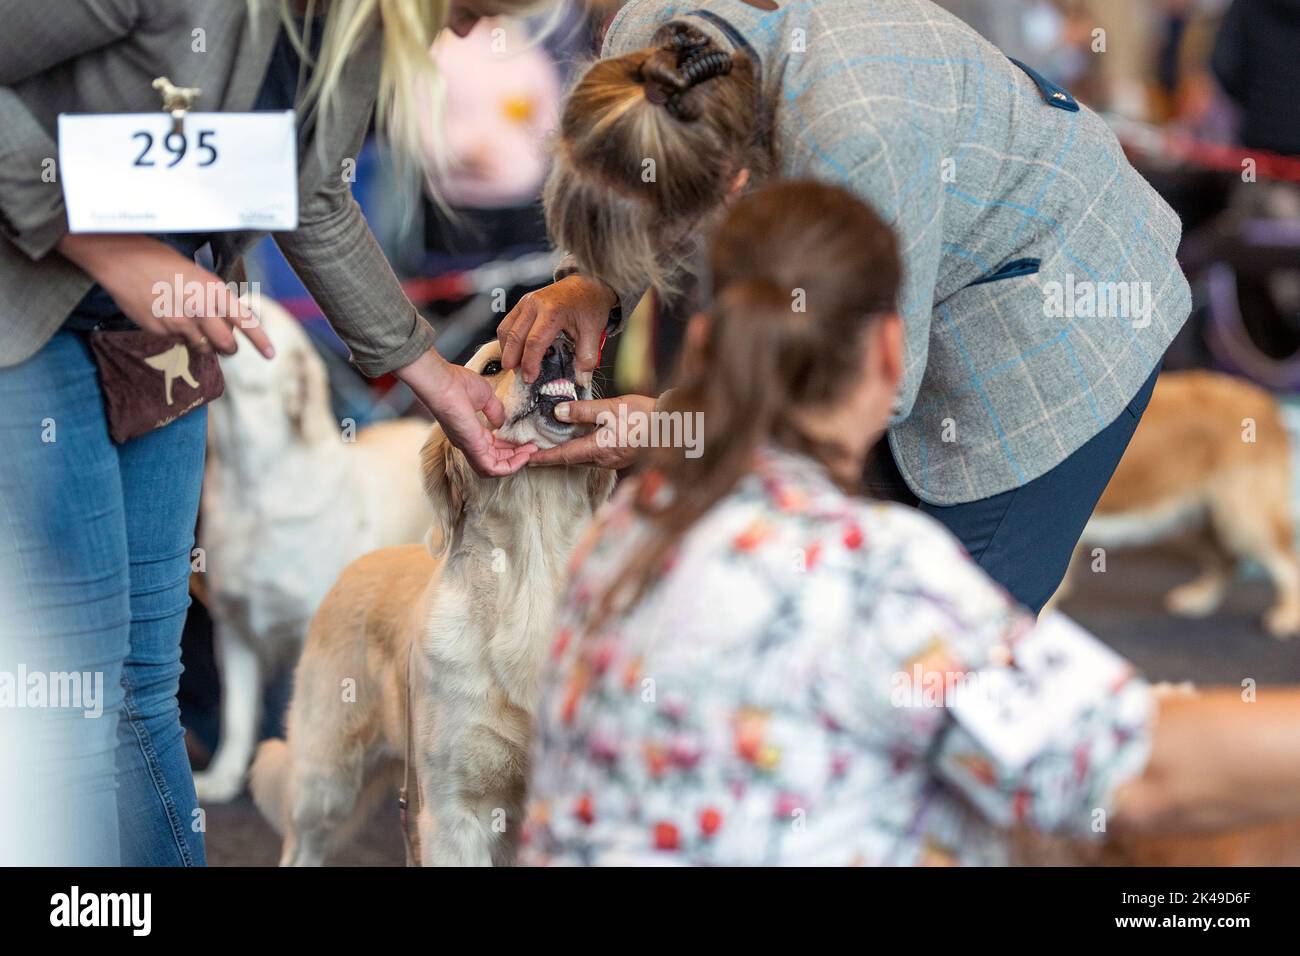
{"points": [[95, 551], [1024, 538]]}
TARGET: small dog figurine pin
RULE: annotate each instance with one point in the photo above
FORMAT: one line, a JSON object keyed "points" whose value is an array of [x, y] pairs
{"points": [[176, 99]]}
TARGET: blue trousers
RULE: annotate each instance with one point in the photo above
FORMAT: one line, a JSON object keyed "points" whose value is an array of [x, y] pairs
{"points": [[95, 551], [1024, 537]]}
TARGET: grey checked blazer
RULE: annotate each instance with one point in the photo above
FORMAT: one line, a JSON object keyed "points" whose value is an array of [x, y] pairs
{"points": [[1000, 186], [100, 56]]}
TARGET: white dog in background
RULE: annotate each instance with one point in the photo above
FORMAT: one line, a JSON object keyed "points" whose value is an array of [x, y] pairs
{"points": [[456, 637], [288, 501]]}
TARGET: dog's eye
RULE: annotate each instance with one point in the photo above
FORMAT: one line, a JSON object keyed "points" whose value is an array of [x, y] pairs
{"points": [[491, 368]]}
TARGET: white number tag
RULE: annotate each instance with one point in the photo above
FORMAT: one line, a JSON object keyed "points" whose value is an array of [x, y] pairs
{"points": [[133, 172], [1016, 712]]}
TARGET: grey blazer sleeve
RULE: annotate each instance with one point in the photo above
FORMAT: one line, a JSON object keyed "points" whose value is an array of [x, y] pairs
{"points": [[35, 37], [335, 254]]}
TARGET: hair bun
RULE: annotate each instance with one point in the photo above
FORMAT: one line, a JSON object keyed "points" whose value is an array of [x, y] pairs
{"points": [[660, 76], [686, 58]]}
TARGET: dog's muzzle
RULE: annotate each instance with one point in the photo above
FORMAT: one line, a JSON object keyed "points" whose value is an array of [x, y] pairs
{"points": [[555, 382]]}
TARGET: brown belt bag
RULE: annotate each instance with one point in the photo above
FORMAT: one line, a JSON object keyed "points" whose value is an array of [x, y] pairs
{"points": [[149, 381]]}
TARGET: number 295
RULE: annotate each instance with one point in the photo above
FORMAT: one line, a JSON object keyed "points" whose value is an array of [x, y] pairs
{"points": [[176, 145]]}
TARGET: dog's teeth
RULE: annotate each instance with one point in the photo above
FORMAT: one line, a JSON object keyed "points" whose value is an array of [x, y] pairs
{"points": [[561, 387]]}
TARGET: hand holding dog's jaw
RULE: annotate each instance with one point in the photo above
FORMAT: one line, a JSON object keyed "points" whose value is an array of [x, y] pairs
{"points": [[467, 407], [470, 401], [577, 307], [602, 446]]}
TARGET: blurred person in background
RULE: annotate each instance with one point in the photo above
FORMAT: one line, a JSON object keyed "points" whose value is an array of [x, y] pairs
{"points": [[481, 201], [1029, 30], [1120, 41], [95, 559], [1184, 92], [1110, 71], [754, 666], [501, 99], [1257, 62]]}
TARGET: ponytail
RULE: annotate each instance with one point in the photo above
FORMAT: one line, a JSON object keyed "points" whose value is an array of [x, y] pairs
{"points": [[744, 381], [800, 271]]}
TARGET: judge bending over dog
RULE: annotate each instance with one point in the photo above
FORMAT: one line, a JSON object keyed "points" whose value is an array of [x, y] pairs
{"points": [[1014, 405]]}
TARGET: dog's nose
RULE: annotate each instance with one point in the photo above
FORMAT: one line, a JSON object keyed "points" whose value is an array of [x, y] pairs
{"points": [[557, 362], [562, 347]]}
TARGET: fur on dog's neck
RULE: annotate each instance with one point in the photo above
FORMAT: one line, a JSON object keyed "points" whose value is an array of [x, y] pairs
{"points": [[508, 556], [536, 511]]}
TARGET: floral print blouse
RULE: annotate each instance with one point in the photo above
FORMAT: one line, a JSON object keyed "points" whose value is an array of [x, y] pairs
{"points": [[768, 701]]}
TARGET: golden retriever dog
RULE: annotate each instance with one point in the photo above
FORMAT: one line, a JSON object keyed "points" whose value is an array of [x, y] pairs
{"points": [[1211, 457], [284, 481], [458, 632]]}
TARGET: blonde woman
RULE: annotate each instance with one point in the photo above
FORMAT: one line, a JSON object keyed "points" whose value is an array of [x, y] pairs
{"points": [[95, 552], [1010, 199]]}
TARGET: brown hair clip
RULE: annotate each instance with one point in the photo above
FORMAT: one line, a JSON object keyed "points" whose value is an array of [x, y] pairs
{"points": [[705, 66], [696, 69]]}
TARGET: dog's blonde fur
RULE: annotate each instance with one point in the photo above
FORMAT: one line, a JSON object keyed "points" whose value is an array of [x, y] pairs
{"points": [[471, 619], [287, 502], [1212, 457]]}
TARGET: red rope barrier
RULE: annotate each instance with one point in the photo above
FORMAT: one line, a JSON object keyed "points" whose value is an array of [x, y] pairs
{"points": [[1180, 147]]}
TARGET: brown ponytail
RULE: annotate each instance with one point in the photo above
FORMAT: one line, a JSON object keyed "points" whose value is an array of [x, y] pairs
{"points": [[648, 147], [799, 271]]}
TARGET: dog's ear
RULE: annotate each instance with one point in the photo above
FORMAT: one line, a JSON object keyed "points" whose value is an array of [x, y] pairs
{"points": [[447, 478], [305, 387], [600, 482]]}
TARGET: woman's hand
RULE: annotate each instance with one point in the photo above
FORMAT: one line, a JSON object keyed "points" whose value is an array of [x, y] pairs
{"points": [[578, 305], [130, 267], [604, 447], [456, 396]]}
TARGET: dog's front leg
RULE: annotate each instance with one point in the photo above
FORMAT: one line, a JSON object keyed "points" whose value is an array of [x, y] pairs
{"points": [[452, 833], [241, 705]]}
